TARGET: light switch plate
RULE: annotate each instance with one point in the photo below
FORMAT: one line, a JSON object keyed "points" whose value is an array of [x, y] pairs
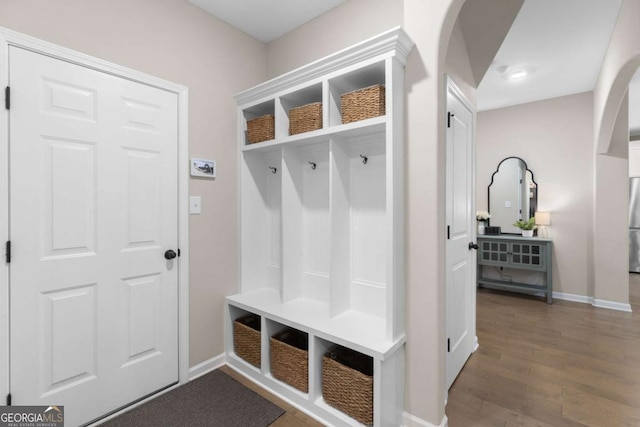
{"points": [[195, 205], [507, 203]]}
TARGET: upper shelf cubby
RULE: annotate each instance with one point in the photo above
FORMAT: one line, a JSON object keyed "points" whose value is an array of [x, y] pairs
{"points": [[292, 101], [258, 122], [361, 78]]}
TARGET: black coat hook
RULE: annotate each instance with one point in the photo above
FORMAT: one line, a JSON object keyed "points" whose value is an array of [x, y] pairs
{"points": [[273, 169], [365, 159], [313, 165]]}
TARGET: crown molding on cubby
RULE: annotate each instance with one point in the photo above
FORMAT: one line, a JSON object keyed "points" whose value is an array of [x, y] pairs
{"points": [[393, 43]]}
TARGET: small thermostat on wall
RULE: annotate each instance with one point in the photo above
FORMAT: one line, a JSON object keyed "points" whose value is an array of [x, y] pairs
{"points": [[203, 168]]}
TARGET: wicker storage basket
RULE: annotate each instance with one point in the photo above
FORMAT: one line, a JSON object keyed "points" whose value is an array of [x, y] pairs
{"points": [[260, 129], [290, 358], [246, 338], [363, 104], [347, 383], [305, 118]]}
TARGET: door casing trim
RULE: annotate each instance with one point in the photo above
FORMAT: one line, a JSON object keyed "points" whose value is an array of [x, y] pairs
{"points": [[11, 38]]}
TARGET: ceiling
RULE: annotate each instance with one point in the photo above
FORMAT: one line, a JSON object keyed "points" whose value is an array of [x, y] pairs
{"points": [[560, 44], [266, 20]]}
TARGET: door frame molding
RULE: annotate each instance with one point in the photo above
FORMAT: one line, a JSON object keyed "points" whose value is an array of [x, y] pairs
{"points": [[11, 38]]}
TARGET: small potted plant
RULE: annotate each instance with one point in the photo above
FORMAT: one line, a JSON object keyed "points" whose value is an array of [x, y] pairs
{"points": [[527, 226], [482, 217]]}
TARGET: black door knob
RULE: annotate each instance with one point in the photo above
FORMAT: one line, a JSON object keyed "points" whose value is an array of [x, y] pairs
{"points": [[473, 245], [170, 254]]}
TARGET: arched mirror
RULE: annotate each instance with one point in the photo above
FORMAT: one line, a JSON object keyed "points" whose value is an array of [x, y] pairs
{"points": [[513, 194]]}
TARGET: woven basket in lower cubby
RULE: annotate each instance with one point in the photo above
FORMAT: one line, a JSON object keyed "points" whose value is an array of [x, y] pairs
{"points": [[246, 338], [347, 383], [305, 118], [363, 104], [290, 358], [261, 129]]}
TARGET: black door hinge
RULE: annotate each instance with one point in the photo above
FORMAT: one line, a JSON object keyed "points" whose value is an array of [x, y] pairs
{"points": [[9, 399], [7, 251], [448, 345], [448, 232], [178, 251], [7, 98], [449, 115]]}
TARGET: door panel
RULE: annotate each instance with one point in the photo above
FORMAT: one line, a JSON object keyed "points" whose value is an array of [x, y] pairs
{"points": [[68, 176], [69, 322], [93, 208], [460, 261], [144, 309]]}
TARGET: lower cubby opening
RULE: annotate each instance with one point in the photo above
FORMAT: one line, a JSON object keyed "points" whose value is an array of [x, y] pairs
{"points": [[289, 355], [246, 335], [345, 380]]}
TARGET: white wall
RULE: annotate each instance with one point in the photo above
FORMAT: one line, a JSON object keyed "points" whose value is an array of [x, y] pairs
{"points": [[634, 159], [611, 215], [341, 27], [610, 264], [175, 41], [559, 152]]}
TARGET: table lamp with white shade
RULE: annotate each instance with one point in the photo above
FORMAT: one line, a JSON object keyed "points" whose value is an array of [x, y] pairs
{"points": [[542, 220]]}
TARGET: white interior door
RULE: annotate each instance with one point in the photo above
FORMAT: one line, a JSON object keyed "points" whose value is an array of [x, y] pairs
{"points": [[93, 208], [460, 216]]}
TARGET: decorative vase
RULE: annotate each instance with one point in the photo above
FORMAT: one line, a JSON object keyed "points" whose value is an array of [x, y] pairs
{"points": [[527, 233], [480, 228]]}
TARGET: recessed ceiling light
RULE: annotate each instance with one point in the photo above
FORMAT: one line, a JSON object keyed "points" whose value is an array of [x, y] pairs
{"points": [[518, 74]]}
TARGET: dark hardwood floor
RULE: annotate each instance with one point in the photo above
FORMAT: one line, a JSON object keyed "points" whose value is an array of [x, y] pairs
{"points": [[566, 364], [292, 418], [559, 365]]}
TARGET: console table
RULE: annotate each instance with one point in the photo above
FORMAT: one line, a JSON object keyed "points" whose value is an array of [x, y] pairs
{"points": [[524, 253]]}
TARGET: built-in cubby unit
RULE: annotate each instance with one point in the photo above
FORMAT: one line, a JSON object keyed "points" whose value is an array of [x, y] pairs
{"points": [[322, 225]]}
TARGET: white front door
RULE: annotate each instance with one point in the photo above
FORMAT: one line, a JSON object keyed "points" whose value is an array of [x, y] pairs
{"points": [[460, 217], [93, 208]]}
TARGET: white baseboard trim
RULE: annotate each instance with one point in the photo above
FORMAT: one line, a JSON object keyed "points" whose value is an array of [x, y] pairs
{"points": [[573, 297], [207, 366], [476, 344], [409, 420], [600, 303], [612, 305]]}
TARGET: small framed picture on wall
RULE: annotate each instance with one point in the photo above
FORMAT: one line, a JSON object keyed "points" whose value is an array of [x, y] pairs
{"points": [[203, 168]]}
